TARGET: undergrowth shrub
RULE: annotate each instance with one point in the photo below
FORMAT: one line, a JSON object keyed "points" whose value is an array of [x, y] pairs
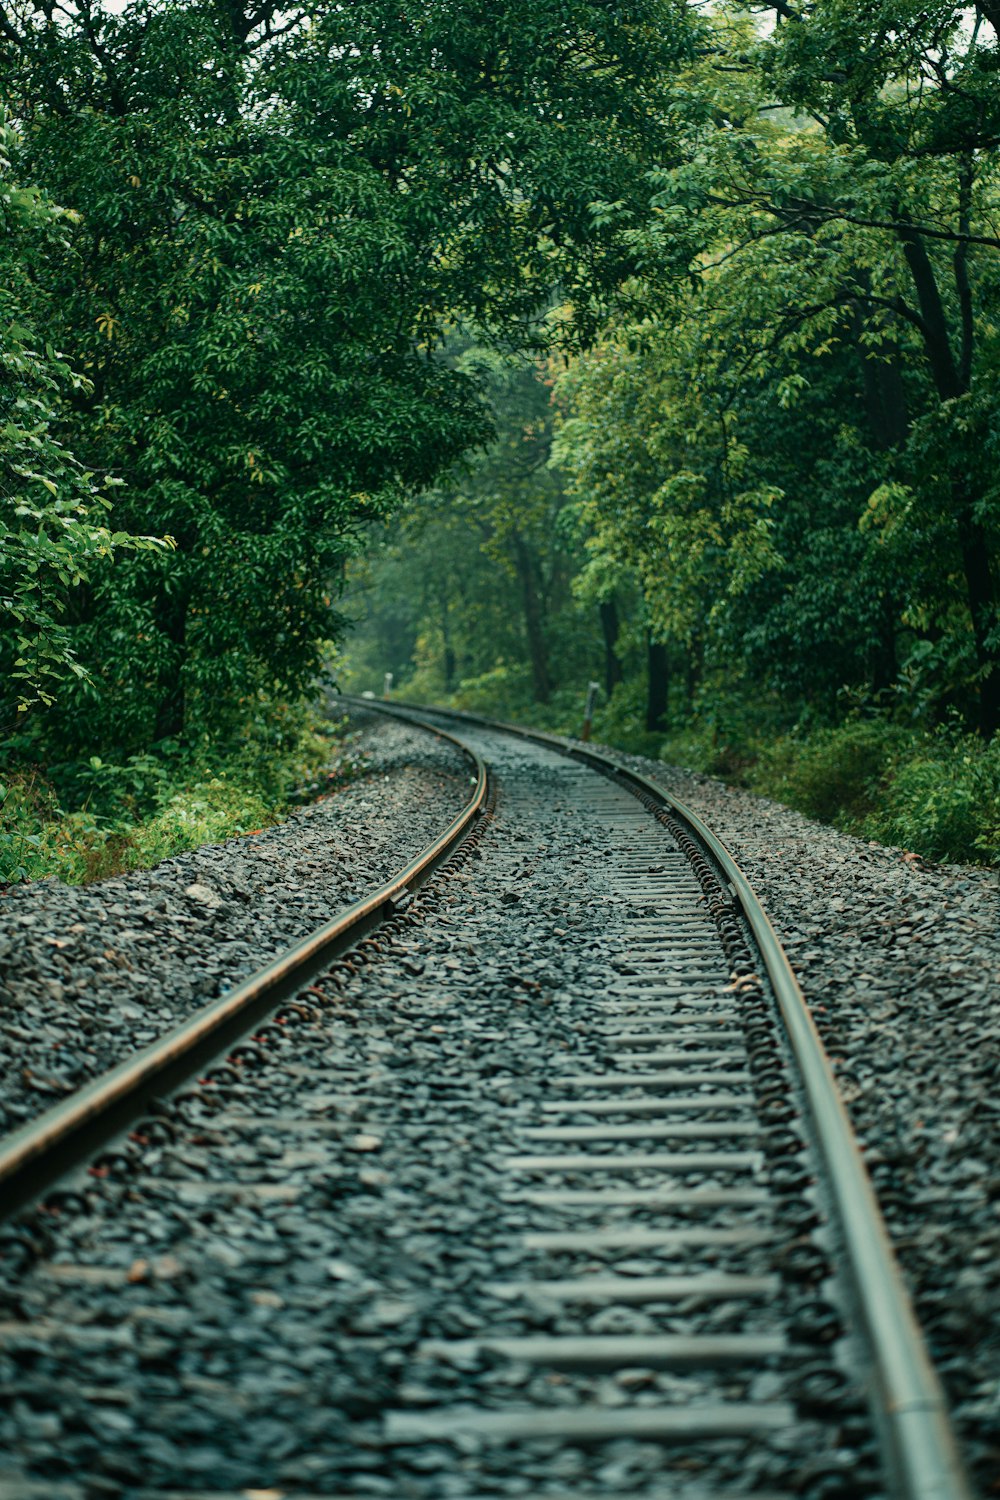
{"points": [[87, 820], [699, 747], [26, 803], [935, 792], [621, 721], [835, 775], [943, 801], [504, 692]]}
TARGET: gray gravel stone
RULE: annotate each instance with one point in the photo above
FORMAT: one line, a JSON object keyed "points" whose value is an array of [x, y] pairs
{"points": [[253, 1340], [82, 984], [900, 962], [263, 1331]]}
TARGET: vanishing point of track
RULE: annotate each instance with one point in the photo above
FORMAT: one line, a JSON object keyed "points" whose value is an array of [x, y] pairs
{"points": [[694, 1123]]}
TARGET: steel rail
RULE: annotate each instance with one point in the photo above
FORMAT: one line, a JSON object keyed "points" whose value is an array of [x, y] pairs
{"points": [[910, 1405], [38, 1153]]}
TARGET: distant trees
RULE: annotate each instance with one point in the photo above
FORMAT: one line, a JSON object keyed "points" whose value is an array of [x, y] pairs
{"points": [[475, 582], [276, 214], [783, 448]]}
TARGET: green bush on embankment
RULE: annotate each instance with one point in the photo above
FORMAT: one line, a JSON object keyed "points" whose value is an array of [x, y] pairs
{"points": [[935, 792], [86, 820]]}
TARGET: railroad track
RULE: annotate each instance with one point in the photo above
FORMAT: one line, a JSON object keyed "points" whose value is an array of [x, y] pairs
{"points": [[537, 1184]]}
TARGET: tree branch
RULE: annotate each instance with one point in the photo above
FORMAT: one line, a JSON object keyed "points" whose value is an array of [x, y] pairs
{"points": [[966, 175], [821, 213]]}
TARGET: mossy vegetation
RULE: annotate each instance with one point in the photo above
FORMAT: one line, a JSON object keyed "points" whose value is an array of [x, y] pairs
{"points": [[87, 820]]}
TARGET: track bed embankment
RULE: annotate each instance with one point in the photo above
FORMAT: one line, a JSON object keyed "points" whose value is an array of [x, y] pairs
{"points": [[900, 961], [524, 1194], [90, 973]]}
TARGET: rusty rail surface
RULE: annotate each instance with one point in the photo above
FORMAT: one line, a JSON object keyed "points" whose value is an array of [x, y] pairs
{"points": [[35, 1155], [909, 1403]]}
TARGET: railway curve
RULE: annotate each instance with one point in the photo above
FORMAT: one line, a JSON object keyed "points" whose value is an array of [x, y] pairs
{"points": [[532, 1166]]}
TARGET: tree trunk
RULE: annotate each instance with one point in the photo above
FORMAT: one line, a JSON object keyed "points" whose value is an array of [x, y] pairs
{"points": [[659, 686], [449, 662], [983, 605], [937, 340], [884, 668], [973, 542], [692, 676], [541, 679], [609, 627]]}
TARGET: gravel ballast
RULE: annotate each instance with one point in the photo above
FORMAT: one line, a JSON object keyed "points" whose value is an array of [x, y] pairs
{"points": [[89, 973], [289, 1279], [900, 963], [193, 1326]]}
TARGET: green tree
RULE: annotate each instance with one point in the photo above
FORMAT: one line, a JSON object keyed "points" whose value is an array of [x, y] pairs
{"points": [[280, 215], [835, 220], [666, 492], [845, 163], [53, 512]]}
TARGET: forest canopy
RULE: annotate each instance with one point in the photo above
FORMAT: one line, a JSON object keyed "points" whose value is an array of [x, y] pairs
{"points": [[251, 229], [645, 343]]}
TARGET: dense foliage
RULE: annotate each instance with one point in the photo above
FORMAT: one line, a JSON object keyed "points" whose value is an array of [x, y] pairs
{"points": [[778, 462], [721, 285], [275, 216], [798, 454], [52, 509]]}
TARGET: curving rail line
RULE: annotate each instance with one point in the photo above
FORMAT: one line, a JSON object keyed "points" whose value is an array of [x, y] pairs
{"points": [[910, 1405], [919, 1449], [44, 1149]]}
